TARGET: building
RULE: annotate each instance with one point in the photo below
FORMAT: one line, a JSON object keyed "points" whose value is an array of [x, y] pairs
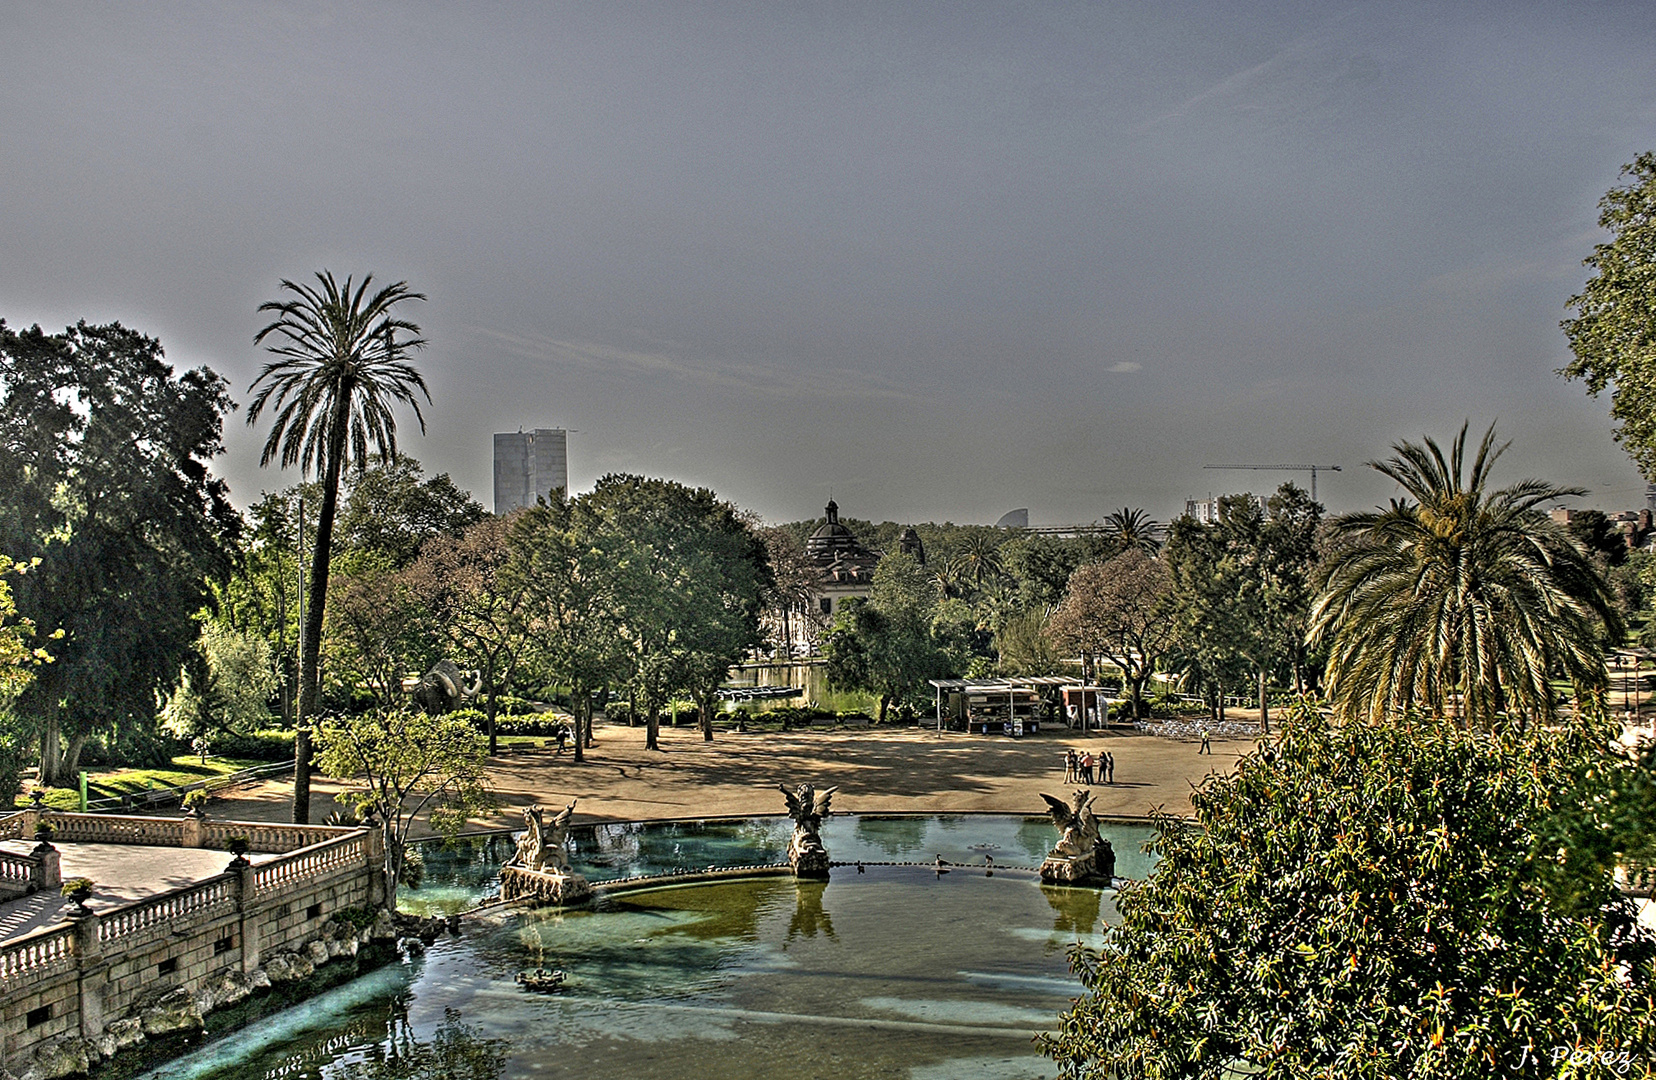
{"points": [[528, 465], [844, 567]]}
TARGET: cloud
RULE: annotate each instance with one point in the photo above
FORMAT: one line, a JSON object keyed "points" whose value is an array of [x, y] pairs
{"points": [[841, 383], [1125, 366]]}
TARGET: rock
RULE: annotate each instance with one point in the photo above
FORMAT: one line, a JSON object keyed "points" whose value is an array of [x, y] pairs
{"points": [[410, 947], [259, 980], [225, 988], [106, 1045], [288, 967], [64, 1056], [384, 928], [128, 1032], [176, 1011], [318, 953]]}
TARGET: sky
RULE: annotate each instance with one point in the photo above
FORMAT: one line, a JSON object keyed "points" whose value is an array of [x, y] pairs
{"points": [[935, 261]]}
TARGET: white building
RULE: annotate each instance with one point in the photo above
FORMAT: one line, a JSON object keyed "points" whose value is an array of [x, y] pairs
{"points": [[528, 465]]}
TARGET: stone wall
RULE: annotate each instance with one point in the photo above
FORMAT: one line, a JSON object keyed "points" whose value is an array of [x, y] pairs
{"points": [[81, 976]]}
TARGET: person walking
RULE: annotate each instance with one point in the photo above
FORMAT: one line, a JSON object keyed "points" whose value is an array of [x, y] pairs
{"points": [[1207, 747]]}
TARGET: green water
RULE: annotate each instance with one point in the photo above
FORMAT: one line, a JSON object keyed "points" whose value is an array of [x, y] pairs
{"points": [[893, 972]]}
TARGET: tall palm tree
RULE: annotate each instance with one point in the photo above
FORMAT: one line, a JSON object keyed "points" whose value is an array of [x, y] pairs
{"points": [[1128, 528], [339, 370], [1458, 600]]}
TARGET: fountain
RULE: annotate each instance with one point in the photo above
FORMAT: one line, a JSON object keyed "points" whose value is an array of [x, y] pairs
{"points": [[807, 807], [539, 871], [1081, 856]]}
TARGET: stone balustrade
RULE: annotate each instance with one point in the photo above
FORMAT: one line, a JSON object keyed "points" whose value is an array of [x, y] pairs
{"points": [[74, 978], [37, 954]]}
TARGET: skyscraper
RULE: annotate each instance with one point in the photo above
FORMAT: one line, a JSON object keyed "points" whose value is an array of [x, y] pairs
{"points": [[528, 465]]}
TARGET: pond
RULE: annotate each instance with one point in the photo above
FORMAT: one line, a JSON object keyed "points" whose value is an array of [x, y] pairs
{"points": [[896, 971]]}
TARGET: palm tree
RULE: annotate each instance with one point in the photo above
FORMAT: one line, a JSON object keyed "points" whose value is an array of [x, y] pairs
{"points": [[1458, 600], [339, 370], [1128, 528]]}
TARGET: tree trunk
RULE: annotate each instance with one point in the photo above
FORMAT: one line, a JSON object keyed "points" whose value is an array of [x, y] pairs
{"points": [[580, 710], [494, 707], [51, 753], [706, 707], [885, 700], [652, 727], [1264, 707], [310, 641], [71, 757]]}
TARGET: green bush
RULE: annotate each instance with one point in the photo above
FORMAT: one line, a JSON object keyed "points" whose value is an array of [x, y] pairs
{"points": [[259, 745]]}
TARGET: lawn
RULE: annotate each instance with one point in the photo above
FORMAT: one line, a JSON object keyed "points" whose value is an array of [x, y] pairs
{"points": [[113, 783]]}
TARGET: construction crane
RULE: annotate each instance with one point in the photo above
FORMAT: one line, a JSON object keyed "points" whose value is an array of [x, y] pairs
{"points": [[1312, 469]]}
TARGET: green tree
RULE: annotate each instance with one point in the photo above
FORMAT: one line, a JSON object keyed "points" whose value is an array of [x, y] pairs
{"points": [[391, 508], [1120, 610], [339, 371], [575, 637], [1613, 334], [402, 764], [378, 628], [104, 477], [1129, 528], [884, 645], [1460, 600], [1368, 902], [1594, 532], [227, 689], [691, 581]]}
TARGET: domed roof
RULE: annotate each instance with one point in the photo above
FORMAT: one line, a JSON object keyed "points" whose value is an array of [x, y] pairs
{"points": [[832, 537]]}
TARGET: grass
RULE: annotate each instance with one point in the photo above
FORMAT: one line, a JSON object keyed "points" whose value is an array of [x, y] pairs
{"points": [[113, 783]]}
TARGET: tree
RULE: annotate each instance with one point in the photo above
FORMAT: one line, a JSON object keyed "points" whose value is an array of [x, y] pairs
{"points": [[788, 613], [1130, 528], [575, 635], [403, 764], [1242, 589], [392, 508], [1613, 335], [477, 603], [690, 580], [339, 371], [1368, 902], [884, 645], [1460, 600], [1594, 532], [104, 477], [17, 659], [378, 628], [227, 689], [1119, 610]]}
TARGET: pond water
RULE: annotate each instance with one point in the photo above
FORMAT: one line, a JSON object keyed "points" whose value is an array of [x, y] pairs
{"points": [[892, 972]]}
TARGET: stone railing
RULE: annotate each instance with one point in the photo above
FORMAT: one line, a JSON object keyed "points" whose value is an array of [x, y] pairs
{"points": [[269, 838], [18, 873], [169, 907], [40, 953], [17, 826], [110, 829], [345, 852]]}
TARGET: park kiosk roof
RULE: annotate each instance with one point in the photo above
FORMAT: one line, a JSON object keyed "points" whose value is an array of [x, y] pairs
{"points": [[1009, 689]]}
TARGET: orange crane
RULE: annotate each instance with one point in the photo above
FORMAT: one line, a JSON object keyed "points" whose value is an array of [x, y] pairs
{"points": [[1312, 469]]}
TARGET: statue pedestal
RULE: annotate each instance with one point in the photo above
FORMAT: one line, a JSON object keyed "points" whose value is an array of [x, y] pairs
{"points": [[1070, 869], [808, 859], [1095, 867], [560, 888]]}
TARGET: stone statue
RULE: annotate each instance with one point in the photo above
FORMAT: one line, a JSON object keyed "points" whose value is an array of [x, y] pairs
{"points": [[807, 807], [444, 688], [537, 846], [1080, 852], [540, 870]]}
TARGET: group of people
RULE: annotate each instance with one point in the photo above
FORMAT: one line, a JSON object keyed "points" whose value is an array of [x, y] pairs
{"points": [[1085, 767]]}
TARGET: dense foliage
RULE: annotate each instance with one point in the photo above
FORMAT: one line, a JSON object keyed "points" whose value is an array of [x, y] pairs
{"points": [[1460, 600], [103, 477], [1372, 901]]}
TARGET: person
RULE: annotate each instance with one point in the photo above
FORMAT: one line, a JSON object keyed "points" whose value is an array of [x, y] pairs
{"points": [[1071, 711], [1109, 767], [1087, 768], [562, 736], [1207, 747], [1071, 766]]}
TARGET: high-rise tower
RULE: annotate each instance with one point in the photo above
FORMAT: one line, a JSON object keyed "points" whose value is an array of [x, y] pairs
{"points": [[528, 465]]}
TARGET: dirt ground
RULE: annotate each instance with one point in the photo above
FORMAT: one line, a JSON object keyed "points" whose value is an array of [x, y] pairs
{"points": [[876, 770]]}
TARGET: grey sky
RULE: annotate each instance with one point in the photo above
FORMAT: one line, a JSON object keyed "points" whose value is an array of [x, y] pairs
{"points": [[939, 260]]}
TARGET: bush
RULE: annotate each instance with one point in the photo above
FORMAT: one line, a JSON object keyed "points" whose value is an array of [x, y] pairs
{"points": [[258, 745]]}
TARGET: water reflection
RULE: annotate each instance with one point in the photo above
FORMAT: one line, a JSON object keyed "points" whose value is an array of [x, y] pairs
{"points": [[893, 836], [809, 916], [1075, 911]]}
